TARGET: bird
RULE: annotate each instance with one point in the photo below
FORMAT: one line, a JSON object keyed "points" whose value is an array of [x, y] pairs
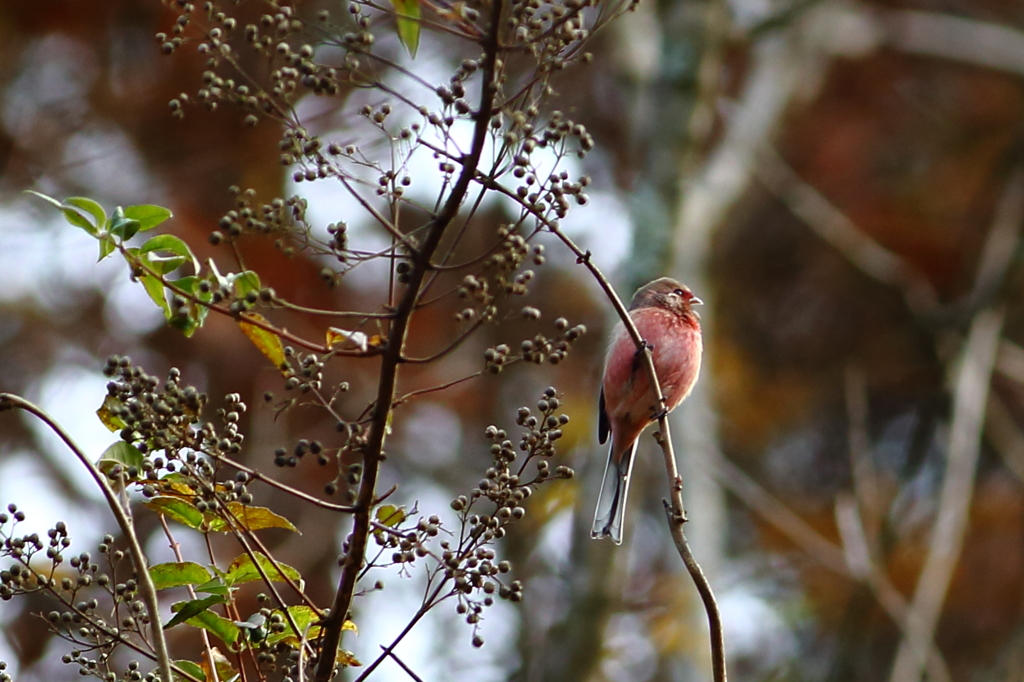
{"points": [[663, 313]]}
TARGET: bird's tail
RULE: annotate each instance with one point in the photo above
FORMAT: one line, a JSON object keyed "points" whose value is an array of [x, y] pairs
{"points": [[611, 502]]}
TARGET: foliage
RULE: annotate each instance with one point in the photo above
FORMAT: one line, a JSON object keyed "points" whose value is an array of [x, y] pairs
{"points": [[176, 463]]}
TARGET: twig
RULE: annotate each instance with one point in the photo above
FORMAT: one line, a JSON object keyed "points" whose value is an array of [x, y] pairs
{"points": [[958, 38], [865, 477], [846, 561], [393, 351], [674, 509], [176, 548], [402, 664], [146, 586], [839, 231], [954, 504]]}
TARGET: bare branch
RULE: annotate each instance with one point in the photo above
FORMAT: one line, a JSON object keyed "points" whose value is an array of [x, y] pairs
{"points": [[954, 504]]}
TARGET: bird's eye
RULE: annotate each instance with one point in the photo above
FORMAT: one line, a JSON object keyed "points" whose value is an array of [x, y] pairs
{"points": [[679, 292]]}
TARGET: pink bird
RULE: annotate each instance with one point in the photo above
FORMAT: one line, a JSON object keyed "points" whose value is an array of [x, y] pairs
{"points": [[663, 314]]}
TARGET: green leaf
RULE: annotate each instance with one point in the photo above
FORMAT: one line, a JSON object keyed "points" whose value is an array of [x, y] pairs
{"points": [[155, 288], [90, 207], [179, 510], [106, 413], [185, 610], [243, 570], [78, 220], [193, 669], [407, 21], [172, 244], [122, 227], [224, 629], [305, 618], [107, 246], [176, 574], [244, 282], [45, 197], [215, 586], [125, 454], [148, 215], [196, 313]]}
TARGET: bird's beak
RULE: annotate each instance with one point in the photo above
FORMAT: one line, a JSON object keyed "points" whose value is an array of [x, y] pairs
{"points": [[696, 301]]}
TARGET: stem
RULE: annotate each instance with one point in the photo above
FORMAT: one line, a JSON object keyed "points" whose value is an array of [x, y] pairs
{"points": [[146, 587], [392, 358], [674, 509]]}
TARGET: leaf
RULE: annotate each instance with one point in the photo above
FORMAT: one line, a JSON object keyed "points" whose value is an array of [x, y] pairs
{"points": [[268, 342], [189, 667], [196, 313], [343, 337], [149, 216], [172, 244], [215, 586], [225, 670], [390, 515], [121, 226], [177, 509], [255, 627], [347, 659], [305, 618], [243, 570], [176, 574], [107, 246], [125, 454], [223, 628], [244, 282], [90, 207], [78, 220], [45, 197], [106, 413], [184, 610], [155, 288], [252, 518], [407, 22]]}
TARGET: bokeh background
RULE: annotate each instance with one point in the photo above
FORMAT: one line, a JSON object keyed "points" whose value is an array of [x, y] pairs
{"points": [[841, 182]]}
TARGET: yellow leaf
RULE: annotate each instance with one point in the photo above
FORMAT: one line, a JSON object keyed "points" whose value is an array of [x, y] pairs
{"points": [[347, 659], [349, 625], [268, 342], [106, 413]]}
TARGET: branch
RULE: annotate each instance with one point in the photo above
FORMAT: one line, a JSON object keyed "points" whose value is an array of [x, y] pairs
{"points": [[146, 586], [847, 561], [392, 358], [954, 504], [674, 509], [960, 39]]}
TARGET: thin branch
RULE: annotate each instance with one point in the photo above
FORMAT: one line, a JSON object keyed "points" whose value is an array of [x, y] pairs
{"points": [[176, 548], [402, 664], [432, 389], [954, 503], [274, 483], [392, 357], [846, 561], [146, 586], [961, 39], [675, 512], [836, 229]]}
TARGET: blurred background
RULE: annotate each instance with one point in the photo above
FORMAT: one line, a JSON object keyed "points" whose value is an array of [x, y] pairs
{"points": [[841, 182]]}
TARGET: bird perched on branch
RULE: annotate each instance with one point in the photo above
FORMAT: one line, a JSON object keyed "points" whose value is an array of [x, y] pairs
{"points": [[663, 314]]}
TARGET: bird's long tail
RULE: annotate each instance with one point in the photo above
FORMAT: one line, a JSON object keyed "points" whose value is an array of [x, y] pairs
{"points": [[611, 502]]}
